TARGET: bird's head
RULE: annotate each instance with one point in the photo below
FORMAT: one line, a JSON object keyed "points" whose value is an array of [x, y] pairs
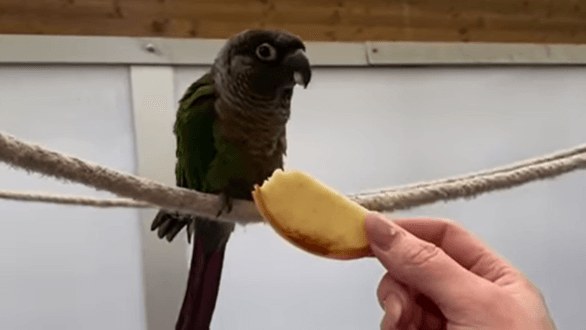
{"points": [[264, 64]]}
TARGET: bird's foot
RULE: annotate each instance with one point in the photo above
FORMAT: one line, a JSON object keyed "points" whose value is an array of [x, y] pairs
{"points": [[190, 230], [168, 224], [225, 204]]}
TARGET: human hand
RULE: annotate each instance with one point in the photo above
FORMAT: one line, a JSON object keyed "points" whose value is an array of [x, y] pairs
{"points": [[441, 277]]}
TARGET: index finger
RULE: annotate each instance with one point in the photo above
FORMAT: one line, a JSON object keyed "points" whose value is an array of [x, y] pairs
{"points": [[461, 245]]}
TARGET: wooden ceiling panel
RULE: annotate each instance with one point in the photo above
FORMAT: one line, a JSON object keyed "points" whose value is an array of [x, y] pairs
{"points": [[536, 21]]}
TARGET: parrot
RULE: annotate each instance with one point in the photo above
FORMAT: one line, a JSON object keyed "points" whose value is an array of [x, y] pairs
{"points": [[230, 134]]}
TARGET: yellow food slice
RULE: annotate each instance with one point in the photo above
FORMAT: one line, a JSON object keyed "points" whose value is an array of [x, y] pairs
{"points": [[313, 216]]}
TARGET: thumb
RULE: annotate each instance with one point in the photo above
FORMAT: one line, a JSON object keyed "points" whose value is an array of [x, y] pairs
{"points": [[421, 265]]}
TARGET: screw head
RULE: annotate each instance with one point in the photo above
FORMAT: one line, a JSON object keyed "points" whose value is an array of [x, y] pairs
{"points": [[150, 48]]}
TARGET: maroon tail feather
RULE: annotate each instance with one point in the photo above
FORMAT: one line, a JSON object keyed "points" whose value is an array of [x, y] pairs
{"points": [[202, 287]]}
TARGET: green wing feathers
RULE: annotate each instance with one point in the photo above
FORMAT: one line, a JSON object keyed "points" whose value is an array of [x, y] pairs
{"points": [[195, 138], [195, 151]]}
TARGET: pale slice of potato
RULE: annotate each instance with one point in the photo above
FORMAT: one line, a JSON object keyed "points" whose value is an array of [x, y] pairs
{"points": [[313, 216]]}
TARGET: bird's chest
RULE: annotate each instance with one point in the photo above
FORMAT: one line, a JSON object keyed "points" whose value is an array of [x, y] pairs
{"points": [[260, 156], [257, 152], [258, 135]]}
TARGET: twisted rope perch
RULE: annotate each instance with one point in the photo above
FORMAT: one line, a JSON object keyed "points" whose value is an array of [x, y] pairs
{"points": [[145, 193], [148, 193]]}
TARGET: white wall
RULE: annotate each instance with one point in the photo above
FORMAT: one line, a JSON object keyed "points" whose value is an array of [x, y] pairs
{"points": [[165, 268], [66, 267], [364, 128]]}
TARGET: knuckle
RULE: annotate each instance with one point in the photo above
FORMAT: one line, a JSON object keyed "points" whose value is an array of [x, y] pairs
{"points": [[492, 295], [527, 286], [383, 288], [501, 305], [421, 253], [530, 287]]}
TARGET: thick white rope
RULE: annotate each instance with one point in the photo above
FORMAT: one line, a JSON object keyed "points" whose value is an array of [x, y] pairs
{"points": [[146, 193], [38, 159], [471, 185]]}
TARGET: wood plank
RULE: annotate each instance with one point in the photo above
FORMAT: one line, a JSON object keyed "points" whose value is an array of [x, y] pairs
{"points": [[561, 21]]}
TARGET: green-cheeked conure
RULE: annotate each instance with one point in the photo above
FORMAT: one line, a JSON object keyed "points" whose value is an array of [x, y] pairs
{"points": [[230, 131]]}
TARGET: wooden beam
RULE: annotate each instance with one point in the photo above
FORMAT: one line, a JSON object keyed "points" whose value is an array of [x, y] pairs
{"points": [[519, 21]]}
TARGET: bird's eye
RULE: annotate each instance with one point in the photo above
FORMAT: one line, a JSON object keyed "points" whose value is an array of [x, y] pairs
{"points": [[266, 52]]}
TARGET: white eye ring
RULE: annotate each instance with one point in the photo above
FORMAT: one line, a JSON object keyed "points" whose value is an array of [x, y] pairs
{"points": [[266, 52]]}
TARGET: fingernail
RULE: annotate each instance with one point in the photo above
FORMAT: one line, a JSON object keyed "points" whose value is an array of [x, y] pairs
{"points": [[379, 230]]}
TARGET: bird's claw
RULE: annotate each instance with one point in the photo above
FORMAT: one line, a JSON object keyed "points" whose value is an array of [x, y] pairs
{"points": [[190, 230], [225, 204]]}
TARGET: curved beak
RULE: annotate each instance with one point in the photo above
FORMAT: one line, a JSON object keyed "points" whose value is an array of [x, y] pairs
{"points": [[299, 64]]}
